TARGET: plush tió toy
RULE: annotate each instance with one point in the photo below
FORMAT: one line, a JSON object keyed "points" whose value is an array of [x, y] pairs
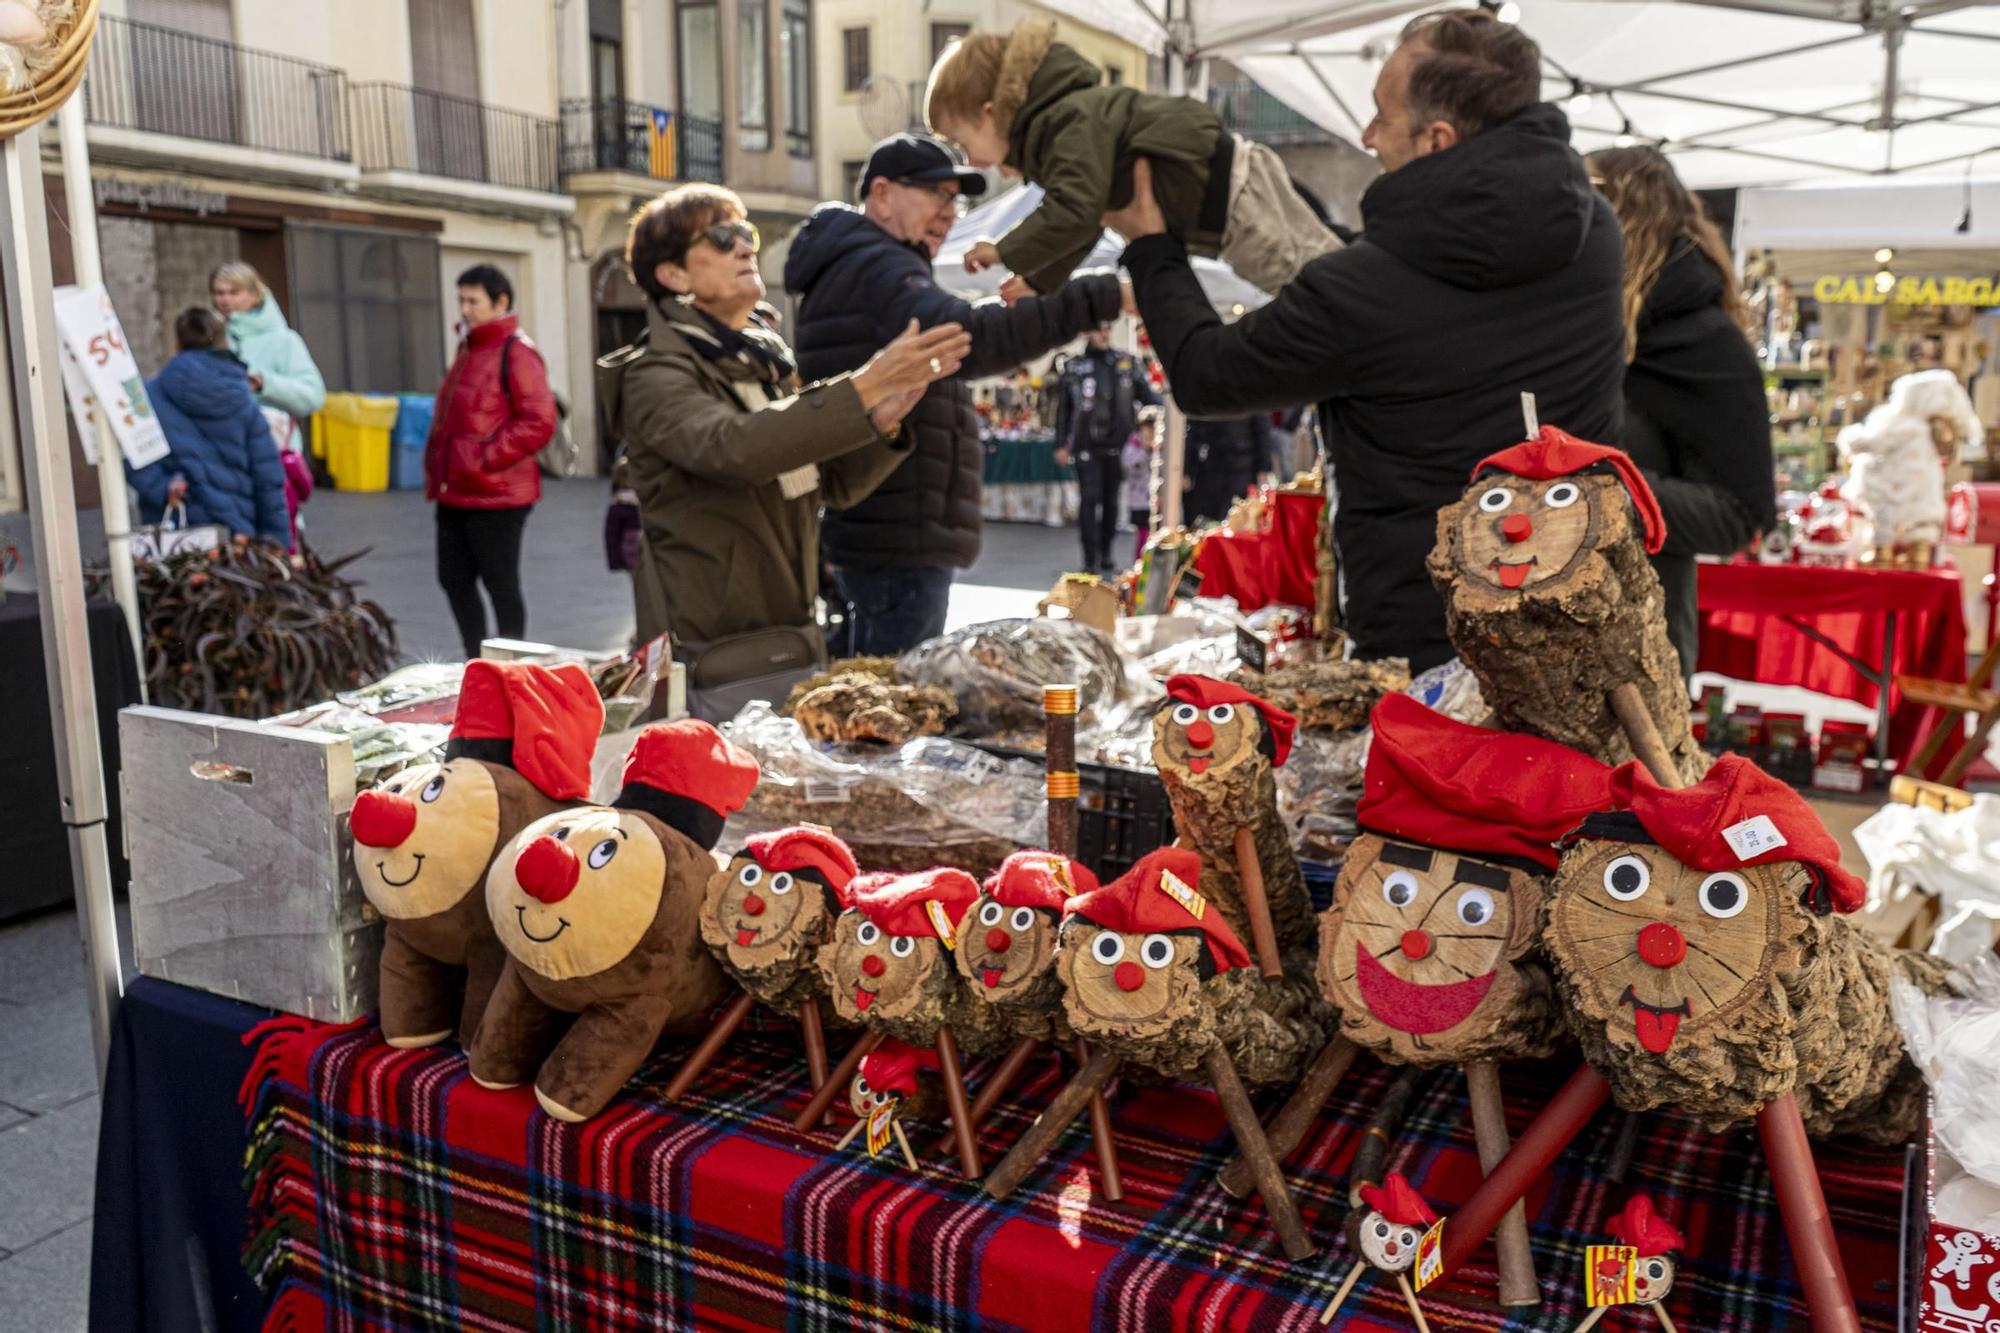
{"points": [[1549, 599], [1896, 460], [896, 1082], [598, 910], [520, 748], [1639, 1270], [1386, 1231]]}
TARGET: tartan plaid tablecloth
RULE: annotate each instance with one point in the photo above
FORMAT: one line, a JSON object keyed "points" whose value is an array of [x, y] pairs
{"points": [[389, 1191]]}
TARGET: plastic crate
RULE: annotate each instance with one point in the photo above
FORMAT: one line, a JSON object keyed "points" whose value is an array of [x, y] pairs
{"points": [[1121, 813], [353, 431]]}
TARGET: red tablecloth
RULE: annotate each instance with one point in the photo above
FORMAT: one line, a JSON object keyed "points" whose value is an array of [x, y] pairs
{"points": [[1279, 564], [1744, 634]]}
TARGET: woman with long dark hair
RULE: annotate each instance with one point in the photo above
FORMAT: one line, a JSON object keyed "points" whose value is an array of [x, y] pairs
{"points": [[1696, 419]]}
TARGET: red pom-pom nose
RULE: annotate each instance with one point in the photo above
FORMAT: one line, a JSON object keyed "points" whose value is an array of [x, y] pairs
{"points": [[1662, 945], [382, 819], [1129, 976], [1517, 527], [753, 906], [873, 965], [1417, 943], [546, 870], [1200, 734], [998, 941]]}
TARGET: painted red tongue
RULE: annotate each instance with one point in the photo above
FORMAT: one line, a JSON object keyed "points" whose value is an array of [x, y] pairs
{"points": [[992, 976], [1198, 763], [1513, 576], [1656, 1031], [863, 998], [743, 937]]}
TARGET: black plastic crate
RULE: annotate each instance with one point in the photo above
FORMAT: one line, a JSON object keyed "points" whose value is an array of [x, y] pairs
{"points": [[1121, 813]]}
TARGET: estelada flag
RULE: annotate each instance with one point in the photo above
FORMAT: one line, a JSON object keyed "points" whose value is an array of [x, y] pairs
{"points": [[1610, 1274]]}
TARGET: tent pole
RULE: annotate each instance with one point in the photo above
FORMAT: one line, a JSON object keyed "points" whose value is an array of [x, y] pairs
{"points": [[38, 422], [88, 265]]}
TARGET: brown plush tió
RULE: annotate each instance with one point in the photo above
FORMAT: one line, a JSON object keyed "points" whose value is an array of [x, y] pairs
{"points": [[520, 749], [598, 909]]}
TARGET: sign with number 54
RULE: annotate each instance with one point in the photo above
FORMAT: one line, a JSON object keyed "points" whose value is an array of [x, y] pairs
{"points": [[99, 373]]}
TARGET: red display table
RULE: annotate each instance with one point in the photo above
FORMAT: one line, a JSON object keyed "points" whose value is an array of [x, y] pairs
{"points": [[1278, 564], [1842, 632]]}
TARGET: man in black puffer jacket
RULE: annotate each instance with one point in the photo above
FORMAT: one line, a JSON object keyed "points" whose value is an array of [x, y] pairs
{"points": [[861, 275], [1487, 267]]}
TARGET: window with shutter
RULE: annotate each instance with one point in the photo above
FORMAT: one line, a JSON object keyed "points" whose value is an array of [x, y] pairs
{"points": [[447, 121], [854, 59], [753, 83]]}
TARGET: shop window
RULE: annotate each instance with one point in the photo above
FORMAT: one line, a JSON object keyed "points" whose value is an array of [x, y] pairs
{"points": [[701, 62], [795, 65], [944, 34], [370, 306], [1113, 74], [753, 85], [853, 59]]}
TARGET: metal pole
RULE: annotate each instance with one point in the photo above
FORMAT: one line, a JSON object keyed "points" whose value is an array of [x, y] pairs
{"points": [[38, 422], [88, 265]]}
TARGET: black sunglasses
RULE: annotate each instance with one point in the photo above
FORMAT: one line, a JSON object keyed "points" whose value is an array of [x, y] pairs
{"points": [[724, 236]]}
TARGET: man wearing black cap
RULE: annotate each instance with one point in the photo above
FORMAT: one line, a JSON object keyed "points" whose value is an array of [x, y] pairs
{"points": [[861, 274]]}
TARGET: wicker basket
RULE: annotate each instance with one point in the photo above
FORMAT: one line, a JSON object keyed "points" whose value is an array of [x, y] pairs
{"points": [[31, 106]]}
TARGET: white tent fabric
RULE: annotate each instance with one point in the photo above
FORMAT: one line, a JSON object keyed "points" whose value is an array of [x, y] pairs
{"points": [[1759, 92]]}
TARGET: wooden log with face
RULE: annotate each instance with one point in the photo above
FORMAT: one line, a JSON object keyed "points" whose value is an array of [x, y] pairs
{"points": [[1007, 948], [598, 909], [1384, 1230], [768, 912], [1550, 600], [896, 1082], [1645, 1274], [424, 839]]}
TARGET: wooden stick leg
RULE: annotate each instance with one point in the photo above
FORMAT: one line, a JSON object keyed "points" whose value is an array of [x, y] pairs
{"points": [[1561, 1121], [1250, 1141], [1590, 1320], [1027, 1154], [1340, 1297], [993, 1089], [732, 1019], [842, 1075], [1619, 1164], [1660, 1313], [848, 1137], [1643, 733], [1112, 1184], [903, 1142], [815, 1039], [1489, 1128], [1295, 1117], [1808, 1226], [961, 1111], [1264, 936], [1410, 1299]]}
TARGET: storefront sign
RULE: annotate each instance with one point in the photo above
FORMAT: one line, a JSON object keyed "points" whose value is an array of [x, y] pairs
{"points": [[1861, 290], [143, 195]]}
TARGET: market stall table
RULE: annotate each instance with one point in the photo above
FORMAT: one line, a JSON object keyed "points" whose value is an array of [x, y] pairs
{"points": [[1843, 632], [1023, 482]]}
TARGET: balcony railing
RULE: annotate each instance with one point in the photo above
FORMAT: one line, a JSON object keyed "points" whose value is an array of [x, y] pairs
{"points": [[615, 135], [400, 128], [1255, 114], [146, 77]]}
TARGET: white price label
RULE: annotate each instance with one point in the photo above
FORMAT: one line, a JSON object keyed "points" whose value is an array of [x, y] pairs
{"points": [[1753, 837]]}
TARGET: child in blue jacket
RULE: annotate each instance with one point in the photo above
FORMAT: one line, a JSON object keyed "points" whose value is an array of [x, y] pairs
{"points": [[223, 464]]}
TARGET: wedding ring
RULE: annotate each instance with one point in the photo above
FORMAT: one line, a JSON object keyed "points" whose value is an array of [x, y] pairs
{"points": [[937, 366]]}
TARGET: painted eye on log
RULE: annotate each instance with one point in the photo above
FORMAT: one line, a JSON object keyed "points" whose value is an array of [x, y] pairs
{"points": [[1495, 500], [868, 933], [749, 875], [1562, 495], [1156, 951], [1724, 894], [1407, 1238], [1655, 1270], [1475, 907], [1400, 888], [781, 884], [1221, 714], [1186, 714], [902, 946], [1381, 1229], [990, 914], [1627, 878], [432, 789], [1107, 948], [600, 855], [1024, 918], [861, 1087]]}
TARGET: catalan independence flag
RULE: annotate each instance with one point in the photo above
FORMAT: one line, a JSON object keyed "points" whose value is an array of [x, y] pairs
{"points": [[660, 144]]}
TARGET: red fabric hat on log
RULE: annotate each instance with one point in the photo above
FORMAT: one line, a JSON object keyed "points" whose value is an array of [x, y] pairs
{"points": [[1158, 894], [1396, 1199], [540, 721], [1439, 782], [1737, 816], [1039, 879], [893, 1066], [1645, 1230], [806, 847], [687, 774], [1555, 453], [1207, 691], [928, 903]]}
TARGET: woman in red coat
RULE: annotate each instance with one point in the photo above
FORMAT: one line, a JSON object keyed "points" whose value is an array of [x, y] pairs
{"points": [[494, 413]]}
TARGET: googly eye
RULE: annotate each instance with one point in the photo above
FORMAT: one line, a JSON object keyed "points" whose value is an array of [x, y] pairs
{"points": [[1407, 1238], [860, 1086], [749, 876], [1186, 714], [1562, 495], [1107, 948], [1495, 500], [600, 855], [432, 789], [1627, 878], [1222, 713], [1400, 888], [1156, 951], [1381, 1229], [1475, 907], [1024, 918], [1723, 894], [781, 884], [990, 914], [881, 1099], [902, 946], [868, 933], [1655, 1270]]}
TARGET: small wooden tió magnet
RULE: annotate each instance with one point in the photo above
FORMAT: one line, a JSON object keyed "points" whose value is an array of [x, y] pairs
{"points": [[896, 1082], [1392, 1231], [1638, 1270]]}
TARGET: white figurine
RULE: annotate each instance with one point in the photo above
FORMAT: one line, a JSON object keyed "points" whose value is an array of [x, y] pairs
{"points": [[1896, 462]]}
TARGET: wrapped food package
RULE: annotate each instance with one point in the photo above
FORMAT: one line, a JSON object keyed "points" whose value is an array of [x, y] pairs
{"points": [[997, 670], [1954, 1041]]}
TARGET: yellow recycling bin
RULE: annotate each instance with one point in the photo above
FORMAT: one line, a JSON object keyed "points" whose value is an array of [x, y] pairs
{"points": [[352, 433]]}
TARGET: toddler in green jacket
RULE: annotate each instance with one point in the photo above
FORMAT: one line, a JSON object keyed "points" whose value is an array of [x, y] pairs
{"points": [[1037, 109]]}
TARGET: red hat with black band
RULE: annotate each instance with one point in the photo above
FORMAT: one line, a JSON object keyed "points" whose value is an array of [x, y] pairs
{"points": [[1206, 692], [1496, 795], [810, 850], [1645, 1230], [1554, 453], [1042, 880], [1737, 816], [927, 904], [687, 775], [1398, 1201], [1158, 896], [540, 721], [893, 1066]]}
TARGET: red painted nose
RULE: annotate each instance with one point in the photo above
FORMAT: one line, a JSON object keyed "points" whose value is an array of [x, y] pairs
{"points": [[1200, 734], [1417, 943], [1517, 527], [1129, 976], [546, 870], [753, 906], [1662, 945], [998, 941], [382, 819], [873, 965]]}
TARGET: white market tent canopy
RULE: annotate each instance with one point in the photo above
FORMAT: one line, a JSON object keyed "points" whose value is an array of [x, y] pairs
{"points": [[1740, 92]]}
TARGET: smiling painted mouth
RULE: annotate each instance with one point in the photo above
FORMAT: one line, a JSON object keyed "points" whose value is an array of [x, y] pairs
{"points": [[863, 997], [521, 917], [746, 935], [1409, 1006], [1513, 576], [992, 976], [382, 869], [1656, 1024], [1198, 763]]}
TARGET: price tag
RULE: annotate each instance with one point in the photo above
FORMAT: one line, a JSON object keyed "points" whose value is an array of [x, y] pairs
{"points": [[1753, 837], [826, 791]]}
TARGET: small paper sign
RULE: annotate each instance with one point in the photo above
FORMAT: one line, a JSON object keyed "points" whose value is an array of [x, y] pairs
{"points": [[1179, 890], [941, 922], [89, 329], [1430, 1255], [1753, 837], [881, 1128], [1610, 1274], [1251, 650]]}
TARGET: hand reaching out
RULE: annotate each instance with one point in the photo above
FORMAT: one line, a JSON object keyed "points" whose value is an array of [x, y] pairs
{"points": [[914, 360], [1014, 288], [1142, 216], [981, 255]]}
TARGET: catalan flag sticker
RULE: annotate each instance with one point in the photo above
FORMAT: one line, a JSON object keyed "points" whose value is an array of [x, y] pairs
{"points": [[1183, 893], [1610, 1273]]}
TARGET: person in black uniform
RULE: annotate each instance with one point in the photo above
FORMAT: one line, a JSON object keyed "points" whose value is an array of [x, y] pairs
{"points": [[1097, 404]]}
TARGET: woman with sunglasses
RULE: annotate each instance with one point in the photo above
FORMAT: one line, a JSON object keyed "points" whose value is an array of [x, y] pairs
{"points": [[731, 459]]}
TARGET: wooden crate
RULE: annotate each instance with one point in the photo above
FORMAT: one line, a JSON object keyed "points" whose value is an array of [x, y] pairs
{"points": [[241, 880]]}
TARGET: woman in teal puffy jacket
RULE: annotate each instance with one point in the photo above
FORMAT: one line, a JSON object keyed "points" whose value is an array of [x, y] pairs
{"points": [[282, 373]]}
